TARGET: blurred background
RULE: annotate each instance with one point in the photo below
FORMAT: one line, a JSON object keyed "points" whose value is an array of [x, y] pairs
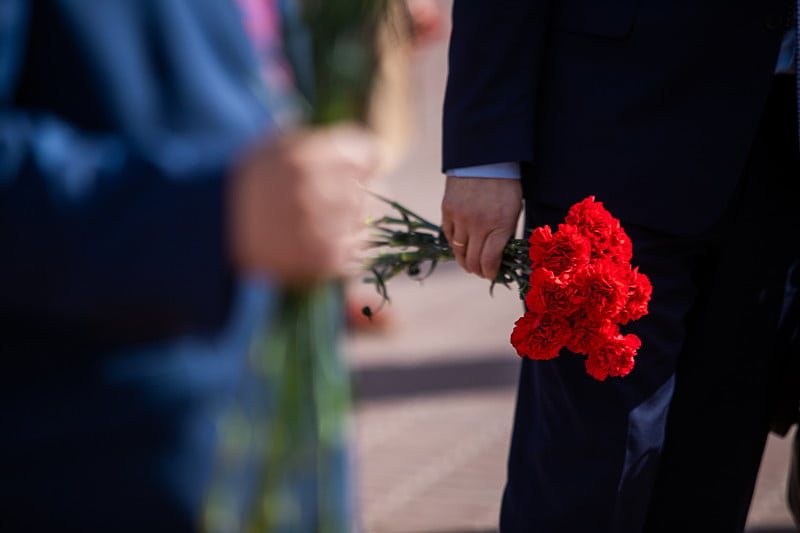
{"points": [[435, 375]]}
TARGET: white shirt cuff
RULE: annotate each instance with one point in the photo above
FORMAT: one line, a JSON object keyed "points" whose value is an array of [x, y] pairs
{"points": [[494, 170]]}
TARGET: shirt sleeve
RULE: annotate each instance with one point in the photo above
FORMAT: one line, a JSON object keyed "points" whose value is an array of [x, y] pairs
{"points": [[510, 170]]}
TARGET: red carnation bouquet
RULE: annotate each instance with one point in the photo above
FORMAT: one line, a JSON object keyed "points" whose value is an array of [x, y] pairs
{"points": [[582, 287], [577, 282]]}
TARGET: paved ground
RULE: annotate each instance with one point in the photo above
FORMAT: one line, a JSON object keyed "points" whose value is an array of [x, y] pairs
{"points": [[433, 418], [435, 392]]}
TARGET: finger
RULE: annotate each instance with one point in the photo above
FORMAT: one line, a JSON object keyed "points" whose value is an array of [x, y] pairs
{"points": [[334, 259], [346, 261], [448, 228], [492, 254], [459, 252], [472, 258], [459, 245]]}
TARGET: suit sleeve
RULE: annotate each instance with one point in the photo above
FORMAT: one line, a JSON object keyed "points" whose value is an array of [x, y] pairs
{"points": [[99, 243], [494, 56]]}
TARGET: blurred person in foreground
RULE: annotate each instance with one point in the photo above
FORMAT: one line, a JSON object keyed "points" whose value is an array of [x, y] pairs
{"points": [[692, 144], [149, 211]]}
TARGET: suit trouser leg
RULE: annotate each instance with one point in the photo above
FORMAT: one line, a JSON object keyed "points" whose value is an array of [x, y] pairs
{"points": [[682, 435], [719, 416], [584, 453]]}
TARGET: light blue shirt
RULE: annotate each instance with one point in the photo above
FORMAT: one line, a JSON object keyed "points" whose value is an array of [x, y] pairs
{"points": [[495, 170]]}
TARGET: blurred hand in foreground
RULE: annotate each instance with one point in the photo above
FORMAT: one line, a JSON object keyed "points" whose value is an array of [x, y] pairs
{"points": [[427, 21], [296, 203]]}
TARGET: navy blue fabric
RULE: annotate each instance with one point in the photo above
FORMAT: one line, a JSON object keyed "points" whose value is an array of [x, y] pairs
{"points": [[676, 444], [123, 331], [131, 442], [569, 88], [117, 129], [670, 113]]}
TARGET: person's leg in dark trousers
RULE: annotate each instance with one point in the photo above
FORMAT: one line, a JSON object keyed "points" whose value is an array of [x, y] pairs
{"points": [[585, 454], [719, 415]]}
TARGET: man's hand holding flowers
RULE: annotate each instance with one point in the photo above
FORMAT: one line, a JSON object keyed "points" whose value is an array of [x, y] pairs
{"points": [[577, 281], [479, 216]]}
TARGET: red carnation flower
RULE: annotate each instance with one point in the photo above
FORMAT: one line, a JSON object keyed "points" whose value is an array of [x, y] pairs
{"points": [[603, 289], [539, 336], [596, 223], [615, 357], [565, 250], [587, 335], [539, 244], [581, 288], [639, 292], [549, 293], [620, 247]]}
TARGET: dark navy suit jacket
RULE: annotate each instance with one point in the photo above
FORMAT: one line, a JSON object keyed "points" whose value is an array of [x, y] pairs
{"points": [[670, 114], [123, 330]]}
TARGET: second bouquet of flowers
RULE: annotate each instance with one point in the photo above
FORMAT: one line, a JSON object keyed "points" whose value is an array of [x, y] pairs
{"points": [[577, 282]]}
